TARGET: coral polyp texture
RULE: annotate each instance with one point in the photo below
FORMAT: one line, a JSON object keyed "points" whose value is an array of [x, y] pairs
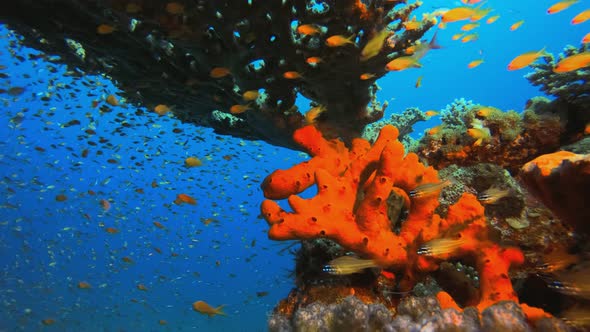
{"points": [[235, 66], [362, 194], [472, 134]]}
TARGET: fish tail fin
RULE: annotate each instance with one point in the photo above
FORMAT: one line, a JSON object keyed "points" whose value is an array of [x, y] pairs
{"points": [[219, 311], [433, 45]]}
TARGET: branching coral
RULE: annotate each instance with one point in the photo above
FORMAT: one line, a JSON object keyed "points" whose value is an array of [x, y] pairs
{"points": [[352, 207], [163, 52]]}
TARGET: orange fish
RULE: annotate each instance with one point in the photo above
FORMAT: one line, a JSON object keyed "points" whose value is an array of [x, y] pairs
{"points": [[413, 24], [403, 63], [480, 13], [237, 109], [158, 224], [492, 19], [192, 162], [435, 130], [291, 75], [581, 17], [105, 29], [84, 285], [308, 29], [161, 109], [573, 62], [339, 40], [418, 82], [516, 25], [127, 260], [366, 76], [474, 63], [112, 100], [559, 6], [458, 14], [219, 72], [61, 198], [111, 230], [469, 26], [313, 113], [184, 198], [431, 113], [469, 37], [250, 95], [204, 308], [105, 205], [48, 321], [480, 135], [458, 36], [142, 287], [486, 111], [586, 38], [313, 60], [525, 59]]}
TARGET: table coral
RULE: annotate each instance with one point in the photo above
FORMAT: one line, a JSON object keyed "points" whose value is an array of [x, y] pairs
{"points": [[205, 57], [352, 207]]}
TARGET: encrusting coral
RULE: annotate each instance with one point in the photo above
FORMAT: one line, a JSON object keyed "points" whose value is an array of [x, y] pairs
{"points": [[352, 207]]}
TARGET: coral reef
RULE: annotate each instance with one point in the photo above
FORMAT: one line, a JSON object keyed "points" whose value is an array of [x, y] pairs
{"points": [[209, 57], [357, 207], [414, 314], [472, 134], [561, 181], [404, 122]]}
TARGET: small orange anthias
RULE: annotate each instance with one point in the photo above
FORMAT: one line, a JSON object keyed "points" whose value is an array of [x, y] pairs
{"points": [[356, 186]]}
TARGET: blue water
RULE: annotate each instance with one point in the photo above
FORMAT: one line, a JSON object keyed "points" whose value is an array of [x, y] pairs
{"points": [[47, 247]]}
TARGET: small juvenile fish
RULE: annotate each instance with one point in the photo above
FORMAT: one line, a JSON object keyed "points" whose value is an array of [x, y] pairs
{"points": [[348, 265], [429, 188], [492, 195], [440, 246]]}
